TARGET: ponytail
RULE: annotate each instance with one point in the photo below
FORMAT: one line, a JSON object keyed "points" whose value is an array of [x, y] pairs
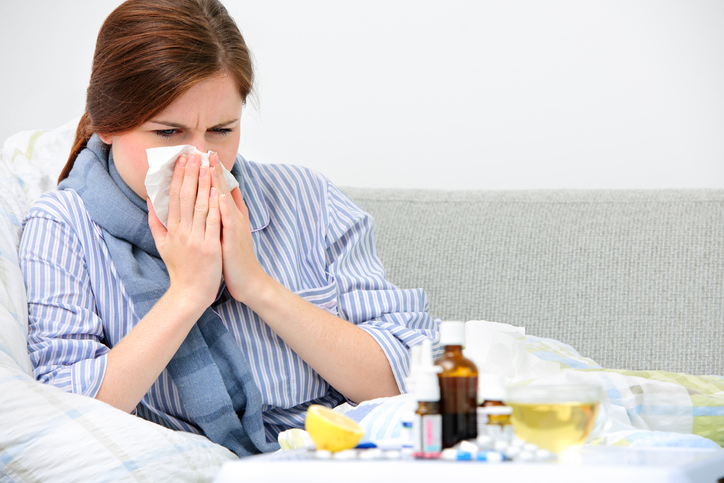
{"points": [[82, 135]]}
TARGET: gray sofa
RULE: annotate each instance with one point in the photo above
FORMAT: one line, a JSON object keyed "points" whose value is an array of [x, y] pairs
{"points": [[632, 279]]}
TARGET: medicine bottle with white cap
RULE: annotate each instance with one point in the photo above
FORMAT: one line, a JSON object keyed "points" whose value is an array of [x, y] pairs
{"points": [[427, 424], [458, 387], [493, 414]]}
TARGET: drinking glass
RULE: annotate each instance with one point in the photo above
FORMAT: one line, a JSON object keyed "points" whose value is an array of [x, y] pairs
{"points": [[555, 417]]}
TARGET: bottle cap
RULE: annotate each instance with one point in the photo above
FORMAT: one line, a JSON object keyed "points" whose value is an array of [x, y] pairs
{"points": [[496, 410], [452, 333], [427, 386], [490, 388]]}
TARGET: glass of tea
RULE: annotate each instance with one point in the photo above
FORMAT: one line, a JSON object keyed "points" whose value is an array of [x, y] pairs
{"points": [[557, 417]]}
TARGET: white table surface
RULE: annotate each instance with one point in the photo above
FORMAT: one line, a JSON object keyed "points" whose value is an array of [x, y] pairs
{"points": [[594, 464]]}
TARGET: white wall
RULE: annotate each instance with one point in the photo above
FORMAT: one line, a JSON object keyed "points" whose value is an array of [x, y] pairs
{"points": [[454, 95]]}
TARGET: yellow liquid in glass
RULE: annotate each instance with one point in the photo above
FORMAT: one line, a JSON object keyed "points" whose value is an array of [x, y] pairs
{"points": [[555, 427]]}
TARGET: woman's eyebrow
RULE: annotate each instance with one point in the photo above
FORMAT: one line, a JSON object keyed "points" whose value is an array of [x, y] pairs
{"points": [[224, 124], [181, 126], [168, 123]]}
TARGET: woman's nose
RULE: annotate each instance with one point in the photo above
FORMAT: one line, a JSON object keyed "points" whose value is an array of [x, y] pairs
{"points": [[199, 143]]}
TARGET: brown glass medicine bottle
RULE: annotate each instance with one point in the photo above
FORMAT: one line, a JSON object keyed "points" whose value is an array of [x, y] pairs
{"points": [[458, 387]]}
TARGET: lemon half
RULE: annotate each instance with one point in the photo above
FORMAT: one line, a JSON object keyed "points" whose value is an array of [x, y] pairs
{"points": [[330, 430]]}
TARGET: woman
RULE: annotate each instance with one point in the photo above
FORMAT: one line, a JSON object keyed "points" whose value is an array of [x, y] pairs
{"points": [[249, 305]]}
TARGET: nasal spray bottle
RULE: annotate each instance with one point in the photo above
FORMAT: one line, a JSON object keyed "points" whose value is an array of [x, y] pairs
{"points": [[427, 427]]}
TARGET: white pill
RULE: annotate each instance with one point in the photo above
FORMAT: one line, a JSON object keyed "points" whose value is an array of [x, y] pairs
{"points": [[526, 456], [371, 454], [484, 441], [347, 454], [468, 446], [449, 454], [543, 455], [501, 445], [495, 457], [393, 454], [323, 454]]}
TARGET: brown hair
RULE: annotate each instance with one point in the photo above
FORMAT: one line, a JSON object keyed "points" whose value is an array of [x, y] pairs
{"points": [[148, 53]]}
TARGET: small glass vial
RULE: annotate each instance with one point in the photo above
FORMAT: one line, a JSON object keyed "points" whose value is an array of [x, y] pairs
{"points": [[493, 414]]}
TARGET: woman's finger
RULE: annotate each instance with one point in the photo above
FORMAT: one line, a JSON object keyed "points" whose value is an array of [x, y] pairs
{"points": [[189, 187], [158, 231], [228, 220], [201, 207], [213, 219], [174, 193], [218, 181], [239, 202]]}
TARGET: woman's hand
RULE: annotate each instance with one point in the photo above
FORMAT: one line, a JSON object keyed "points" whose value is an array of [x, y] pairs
{"points": [[342, 353], [189, 245], [242, 273]]}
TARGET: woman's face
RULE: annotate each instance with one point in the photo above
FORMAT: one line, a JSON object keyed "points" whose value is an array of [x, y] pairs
{"points": [[207, 116]]}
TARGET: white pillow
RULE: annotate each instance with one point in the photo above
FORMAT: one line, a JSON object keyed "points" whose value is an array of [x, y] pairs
{"points": [[49, 435], [36, 158], [46, 434]]}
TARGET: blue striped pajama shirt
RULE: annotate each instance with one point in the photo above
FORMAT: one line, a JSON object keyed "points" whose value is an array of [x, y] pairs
{"points": [[307, 235]]}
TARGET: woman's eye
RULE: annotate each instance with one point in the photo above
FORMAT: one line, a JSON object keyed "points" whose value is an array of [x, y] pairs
{"points": [[166, 133], [221, 131]]}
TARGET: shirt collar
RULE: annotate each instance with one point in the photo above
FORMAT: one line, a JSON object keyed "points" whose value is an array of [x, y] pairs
{"points": [[252, 194]]}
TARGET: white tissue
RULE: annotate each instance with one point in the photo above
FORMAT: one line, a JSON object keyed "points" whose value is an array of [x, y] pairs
{"points": [[161, 162], [496, 348]]}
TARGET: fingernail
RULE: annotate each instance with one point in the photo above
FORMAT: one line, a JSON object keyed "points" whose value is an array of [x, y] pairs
{"points": [[213, 193], [203, 173], [223, 199], [192, 159], [182, 160], [216, 173]]}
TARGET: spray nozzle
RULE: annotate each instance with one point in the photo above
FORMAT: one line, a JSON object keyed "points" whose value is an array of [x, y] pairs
{"points": [[426, 384], [427, 364]]}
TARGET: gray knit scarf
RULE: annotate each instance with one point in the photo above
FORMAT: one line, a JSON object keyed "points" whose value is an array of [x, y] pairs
{"points": [[214, 379]]}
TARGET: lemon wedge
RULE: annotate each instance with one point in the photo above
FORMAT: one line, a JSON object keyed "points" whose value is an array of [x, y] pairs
{"points": [[330, 430]]}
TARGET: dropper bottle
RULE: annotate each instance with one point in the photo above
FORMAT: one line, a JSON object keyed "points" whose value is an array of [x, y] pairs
{"points": [[428, 420]]}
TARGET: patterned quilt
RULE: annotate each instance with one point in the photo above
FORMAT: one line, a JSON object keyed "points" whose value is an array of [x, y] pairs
{"points": [[648, 408]]}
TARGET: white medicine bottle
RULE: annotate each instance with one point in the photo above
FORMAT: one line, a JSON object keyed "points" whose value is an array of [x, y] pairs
{"points": [[493, 414]]}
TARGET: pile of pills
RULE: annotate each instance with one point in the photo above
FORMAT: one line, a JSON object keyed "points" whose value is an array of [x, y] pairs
{"points": [[366, 454], [494, 451], [484, 449], [488, 456]]}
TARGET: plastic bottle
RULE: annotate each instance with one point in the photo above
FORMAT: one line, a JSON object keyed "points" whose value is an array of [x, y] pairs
{"points": [[428, 421], [493, 414], [458, 387], [407, 418]]}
